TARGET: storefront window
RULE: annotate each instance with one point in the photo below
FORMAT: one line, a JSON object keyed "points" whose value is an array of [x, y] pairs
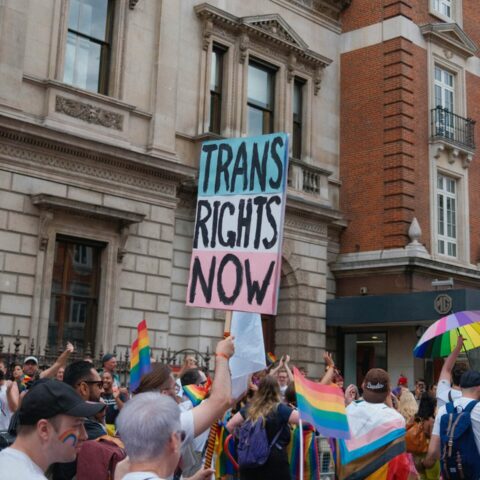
{"points": [[363, 351]]}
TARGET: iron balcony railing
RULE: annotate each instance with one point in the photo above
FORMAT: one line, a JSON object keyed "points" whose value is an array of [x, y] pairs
{"points": [[453, 128]]}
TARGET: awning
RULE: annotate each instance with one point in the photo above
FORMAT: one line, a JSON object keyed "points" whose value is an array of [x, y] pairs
{"points": [[416, 308]]}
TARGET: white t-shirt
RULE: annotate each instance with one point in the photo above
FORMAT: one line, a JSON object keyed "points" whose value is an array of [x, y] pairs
{"points": [[186, 422], [200, 440], [443, 389], [5, 412], [141, 476], [16, 465], [475, 416]]}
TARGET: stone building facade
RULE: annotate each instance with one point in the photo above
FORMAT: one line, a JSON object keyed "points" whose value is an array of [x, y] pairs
{"points": [[410, 252], [103, 107]]}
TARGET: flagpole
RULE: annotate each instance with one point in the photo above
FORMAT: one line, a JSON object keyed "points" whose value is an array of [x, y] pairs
{"points": [[214, 429], [300, 426]]}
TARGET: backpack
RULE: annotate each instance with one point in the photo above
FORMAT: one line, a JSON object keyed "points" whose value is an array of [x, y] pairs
{"points": [[460, 458], [415, 439], [253, 448]]}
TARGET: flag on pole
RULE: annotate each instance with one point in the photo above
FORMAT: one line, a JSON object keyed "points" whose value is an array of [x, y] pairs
{"points": [[271, 358], [322, 405], [311, 457], [140, 356]]}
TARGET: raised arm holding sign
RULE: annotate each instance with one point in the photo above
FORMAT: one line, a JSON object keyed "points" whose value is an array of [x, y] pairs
{"points": [[237, 243]]}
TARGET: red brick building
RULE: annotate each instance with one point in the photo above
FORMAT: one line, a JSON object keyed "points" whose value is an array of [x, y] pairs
{"points": [[410, 251]]}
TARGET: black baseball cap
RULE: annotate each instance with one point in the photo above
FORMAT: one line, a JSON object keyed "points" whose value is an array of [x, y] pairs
{"points": [[51, 397], [471, 378]]}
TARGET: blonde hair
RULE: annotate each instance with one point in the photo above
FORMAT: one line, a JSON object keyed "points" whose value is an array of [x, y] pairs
{"points": [[407, 405], [266, 398]]}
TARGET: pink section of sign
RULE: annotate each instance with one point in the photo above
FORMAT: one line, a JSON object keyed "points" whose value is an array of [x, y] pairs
{"points": [[242, 281]]}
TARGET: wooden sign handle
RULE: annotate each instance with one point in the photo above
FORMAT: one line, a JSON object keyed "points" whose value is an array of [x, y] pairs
{"points": [[228, 324], [214, 429]]}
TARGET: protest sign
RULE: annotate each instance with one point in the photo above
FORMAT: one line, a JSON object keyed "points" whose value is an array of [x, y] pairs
{"points": [[237, 243]]}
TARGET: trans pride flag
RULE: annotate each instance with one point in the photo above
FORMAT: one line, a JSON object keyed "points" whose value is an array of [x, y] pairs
{"points": [[323, 406], [140, 359], [376, 449]]}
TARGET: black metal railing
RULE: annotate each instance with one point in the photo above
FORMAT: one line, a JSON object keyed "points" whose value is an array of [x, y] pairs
{"points": [[16, 351], [453, 128]]}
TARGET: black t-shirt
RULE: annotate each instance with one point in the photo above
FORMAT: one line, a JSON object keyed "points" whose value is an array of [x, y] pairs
{"points": [[112, 408]]}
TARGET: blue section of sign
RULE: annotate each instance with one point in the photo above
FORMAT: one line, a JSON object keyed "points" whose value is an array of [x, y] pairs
{"points": [[243, 166]]}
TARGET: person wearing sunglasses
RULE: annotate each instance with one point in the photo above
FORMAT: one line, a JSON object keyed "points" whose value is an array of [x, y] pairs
{"points": [[86, 381]]}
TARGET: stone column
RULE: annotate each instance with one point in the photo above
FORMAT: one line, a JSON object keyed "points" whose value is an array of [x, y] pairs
{"points": [[13, 32]]}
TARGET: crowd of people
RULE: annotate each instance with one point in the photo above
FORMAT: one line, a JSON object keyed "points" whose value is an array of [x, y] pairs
{"points": [[74, 421]]}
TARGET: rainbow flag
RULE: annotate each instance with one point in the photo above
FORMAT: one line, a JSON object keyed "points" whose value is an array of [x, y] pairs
{"points": [[271, 357], [323, 406], [223, 464], [140, 356], [195, 393], [311, 464]]}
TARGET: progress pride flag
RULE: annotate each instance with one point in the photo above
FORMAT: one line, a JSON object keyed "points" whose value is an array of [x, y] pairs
{"points": [[237, 243]]}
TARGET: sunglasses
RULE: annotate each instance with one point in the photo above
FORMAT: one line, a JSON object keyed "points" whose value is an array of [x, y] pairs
{"points": [[98, 383]]}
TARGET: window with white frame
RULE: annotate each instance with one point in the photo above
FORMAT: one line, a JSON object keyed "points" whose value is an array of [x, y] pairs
{"points": [[446, 215], [443, 7], [444, 102], [444, 88]]}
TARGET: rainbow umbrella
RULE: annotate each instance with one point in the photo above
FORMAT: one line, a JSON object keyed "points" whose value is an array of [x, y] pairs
{"points": [[441, 337]]}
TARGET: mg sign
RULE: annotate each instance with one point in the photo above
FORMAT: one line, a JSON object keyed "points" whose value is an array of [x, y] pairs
{"points": [[443, 304]]}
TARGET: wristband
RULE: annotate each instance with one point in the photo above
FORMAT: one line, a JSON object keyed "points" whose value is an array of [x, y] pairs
{"points": [[223, 355]]}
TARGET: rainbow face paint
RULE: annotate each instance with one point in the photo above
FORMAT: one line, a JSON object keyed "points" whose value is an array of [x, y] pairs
{"points": [[69, 436]]}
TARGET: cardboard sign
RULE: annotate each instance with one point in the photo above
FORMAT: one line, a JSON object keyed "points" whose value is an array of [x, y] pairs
{"points": [[237, 243]]}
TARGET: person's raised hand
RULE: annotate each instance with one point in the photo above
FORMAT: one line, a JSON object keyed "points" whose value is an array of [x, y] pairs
{"points": [[327, 357], [69, 348], [350, 394], [190, 362], [225, 348]]}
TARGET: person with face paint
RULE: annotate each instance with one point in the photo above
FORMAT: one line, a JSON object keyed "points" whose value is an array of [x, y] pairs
{"points": [[50, 429]]}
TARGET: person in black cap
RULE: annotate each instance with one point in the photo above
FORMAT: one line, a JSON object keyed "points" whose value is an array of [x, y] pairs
{"points": [[50, 429], [470, 387]]}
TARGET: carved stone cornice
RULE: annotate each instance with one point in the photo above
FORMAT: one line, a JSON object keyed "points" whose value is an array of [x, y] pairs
{"points": [[301, 226], [46, 218], [451, 35], [88, 113], [55, 203], [330, 8], [49, 204], [269, 29], [135, 170]]}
